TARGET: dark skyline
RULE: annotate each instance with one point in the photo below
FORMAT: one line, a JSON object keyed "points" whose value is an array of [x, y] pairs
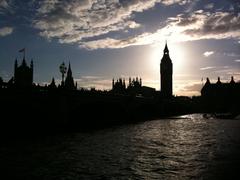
{"points": [[203, 40]]}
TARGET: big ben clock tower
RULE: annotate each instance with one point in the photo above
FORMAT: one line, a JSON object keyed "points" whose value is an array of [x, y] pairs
{"points": [[166, 70]]}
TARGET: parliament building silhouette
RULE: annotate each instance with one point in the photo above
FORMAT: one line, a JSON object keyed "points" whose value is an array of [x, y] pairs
{"points": [[23, 74], [135, 84], [135, 101]]}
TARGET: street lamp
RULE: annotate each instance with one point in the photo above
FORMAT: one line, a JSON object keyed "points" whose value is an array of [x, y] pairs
{"points": [[63, 70]]}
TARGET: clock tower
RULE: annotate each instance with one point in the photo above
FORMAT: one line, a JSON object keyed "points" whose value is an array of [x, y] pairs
{"points": [[166, 71]]}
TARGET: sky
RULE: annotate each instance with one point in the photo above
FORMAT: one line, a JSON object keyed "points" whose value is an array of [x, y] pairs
{"points": [[105, 39]]}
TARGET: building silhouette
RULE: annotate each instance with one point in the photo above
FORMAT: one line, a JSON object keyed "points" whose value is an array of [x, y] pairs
{"points": [[166, 71], [220, 90], [69, 82], [119, 86], [52, 85], [221, 97], [23, 74], [134, 87]]}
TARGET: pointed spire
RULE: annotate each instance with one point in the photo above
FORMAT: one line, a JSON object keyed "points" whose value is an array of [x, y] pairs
{"points": [[113, 83], [52, 84], [69, 65], [69, 69], [166, 51], [232, 80], [53, 80], [208, 81], [24, 62], [219, 81]]}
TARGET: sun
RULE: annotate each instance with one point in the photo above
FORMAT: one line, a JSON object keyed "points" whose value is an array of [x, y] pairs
{"points": [[152, 63], [176, 53]]}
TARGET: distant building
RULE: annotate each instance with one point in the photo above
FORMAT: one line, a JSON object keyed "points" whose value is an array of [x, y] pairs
{"points": [[133, 88], [23, 74], [69, 82], [52, 85], [220, 90], [1, 83], [119, 86], [166, 71]]}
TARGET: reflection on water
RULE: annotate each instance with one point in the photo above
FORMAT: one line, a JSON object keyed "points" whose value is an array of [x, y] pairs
{"points": [[187, 147]]}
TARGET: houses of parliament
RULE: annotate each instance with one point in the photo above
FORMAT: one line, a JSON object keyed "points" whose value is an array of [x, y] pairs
{"points": [[166, 83], [23, 79], [125, 99]]}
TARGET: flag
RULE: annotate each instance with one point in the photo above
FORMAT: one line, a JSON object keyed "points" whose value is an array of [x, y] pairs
{"points": [[22, 50]]}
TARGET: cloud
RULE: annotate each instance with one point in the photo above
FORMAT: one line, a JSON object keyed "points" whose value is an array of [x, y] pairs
{"points": [[72, 21], [237, 60], [217, 25], [187, 87], [208, 53], [209, 6], [207, 68], [89, 23], [232, 54], [5, 5], [76, 21], [5, 31], [196, 26]]}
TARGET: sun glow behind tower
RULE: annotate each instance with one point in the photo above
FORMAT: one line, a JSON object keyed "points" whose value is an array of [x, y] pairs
{"points": [[178, 57]]}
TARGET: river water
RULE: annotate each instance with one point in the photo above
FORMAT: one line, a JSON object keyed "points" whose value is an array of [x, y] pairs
{"points": [[185, 147]]}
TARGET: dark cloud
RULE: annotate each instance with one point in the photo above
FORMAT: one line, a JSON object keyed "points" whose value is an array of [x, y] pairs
{"points": [[217, 23], [72, 21]]}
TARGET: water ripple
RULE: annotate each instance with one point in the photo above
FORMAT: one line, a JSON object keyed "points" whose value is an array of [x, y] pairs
{"points": [[186, 147]]}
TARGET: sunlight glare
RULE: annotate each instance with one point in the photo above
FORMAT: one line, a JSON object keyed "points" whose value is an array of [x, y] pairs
{"points": [[176, 53]]}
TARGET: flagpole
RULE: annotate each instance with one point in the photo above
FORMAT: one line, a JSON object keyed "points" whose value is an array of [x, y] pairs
{"points": [[24, 54]]}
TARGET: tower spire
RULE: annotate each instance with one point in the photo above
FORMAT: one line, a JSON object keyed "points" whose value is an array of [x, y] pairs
{"points": [[166, 70], [69, 69], [166, 51]]}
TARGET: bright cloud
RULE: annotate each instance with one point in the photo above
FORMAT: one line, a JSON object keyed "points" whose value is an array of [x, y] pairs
{"points": [[90, 23], [198, 25], [208, 53], [207, 68], [76, 21], [6, 31], [5, 5], [73, 21]]}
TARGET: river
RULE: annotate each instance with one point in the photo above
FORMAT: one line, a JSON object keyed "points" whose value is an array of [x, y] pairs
{"points": [[184, 147]]}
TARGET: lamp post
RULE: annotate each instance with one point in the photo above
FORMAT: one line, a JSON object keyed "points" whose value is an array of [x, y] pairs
{"points": [[63, 70]]}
